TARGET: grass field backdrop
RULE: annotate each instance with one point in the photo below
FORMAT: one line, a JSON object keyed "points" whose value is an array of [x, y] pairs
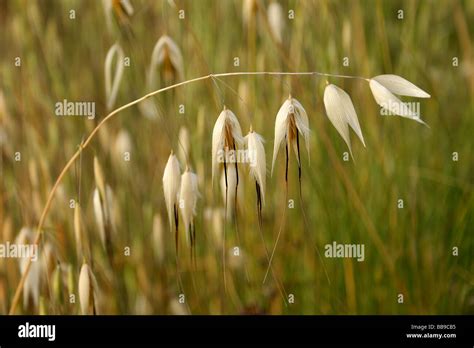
{"points": [[409, 251]]}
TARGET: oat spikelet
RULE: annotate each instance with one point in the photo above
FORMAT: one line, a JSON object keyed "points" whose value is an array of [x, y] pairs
{"points": [[188, 196], [105, 217], [99, 177], [171, 184], [168, 58], [258, 167], [384, 88], [122, 146], [398, 85], [103, 202], [276, 20], [341, 113], [112, 84], [291, 121], [226, 135], [87, 290]]}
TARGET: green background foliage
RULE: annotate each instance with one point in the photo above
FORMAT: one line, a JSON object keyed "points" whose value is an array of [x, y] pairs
{"points": [[407, 251]]}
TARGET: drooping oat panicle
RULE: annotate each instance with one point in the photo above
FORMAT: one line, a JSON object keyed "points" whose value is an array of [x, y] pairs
{"points": [[188, 197], [258, 167], [384, 88], [167, 57], [291, 122], [276, 20], [171, 186], [341, 113], [226, 136], [113, 77], [87, 290]]}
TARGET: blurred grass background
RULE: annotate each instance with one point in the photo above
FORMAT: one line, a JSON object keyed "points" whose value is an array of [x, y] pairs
{"points": [[407, 251]]}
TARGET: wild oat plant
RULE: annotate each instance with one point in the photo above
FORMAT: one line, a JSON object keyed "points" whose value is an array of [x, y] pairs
{"points": [[93, 194]]}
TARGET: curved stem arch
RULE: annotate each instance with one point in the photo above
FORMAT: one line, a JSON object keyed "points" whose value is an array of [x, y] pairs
{"points": [[87, 141]]}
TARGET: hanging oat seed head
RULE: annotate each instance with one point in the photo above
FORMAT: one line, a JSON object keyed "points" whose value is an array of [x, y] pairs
{"points": [[171, 184], [291, 122], [341, 113], [384, 88], [226, 136], [112, 84], [104, 215], [276, 20], [188, 197], [122, 145], [258, 169], [87, 290], [168, 58]]}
